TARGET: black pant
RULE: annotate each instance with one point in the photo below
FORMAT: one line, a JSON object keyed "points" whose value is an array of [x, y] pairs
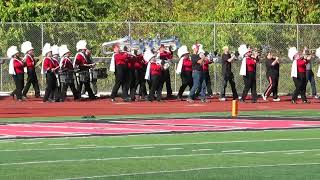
{"points": [[310, 78], [156, 86], [93, 85], [132, 83], [140, 81], [121, 79], [32, 79], [301, 84], [57, 93], [250, 83], [273, 86], [186, 78], [51, 85], [64, 88], [228, 78], [167, 80], [207, 79], [19, 82]]}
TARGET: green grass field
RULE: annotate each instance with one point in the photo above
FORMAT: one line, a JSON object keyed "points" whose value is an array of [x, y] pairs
{"points": [[279, 154]]}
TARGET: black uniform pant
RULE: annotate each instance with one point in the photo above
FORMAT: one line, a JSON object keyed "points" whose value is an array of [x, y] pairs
{"points": [[87, 88], [57, 93], [140, 81], [228, 78], [121, 80], [310, 78], [19, 82], [207, 79], [156, 86], [167, 81], [132, 83], [32, 79], [64, 88], [51, 82], [250, 83], [273, 86], [300, 83], [186, 79]]}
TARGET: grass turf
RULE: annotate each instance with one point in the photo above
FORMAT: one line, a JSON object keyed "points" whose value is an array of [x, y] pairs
{"points": [[290, 154]]}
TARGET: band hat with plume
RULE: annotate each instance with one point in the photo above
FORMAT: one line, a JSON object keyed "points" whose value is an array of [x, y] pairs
{"points": [[82, 44], [243, 50], [318, 52], [292, 52], [55, 50], [46, 48], [12, 51], [182, 51], [26, 46], [63, 49]]}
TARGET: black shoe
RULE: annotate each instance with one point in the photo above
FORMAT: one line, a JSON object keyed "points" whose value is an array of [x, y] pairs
{"points": [[12, 95], [113, 100], [93, 97], [293, 102], [306, 102]]}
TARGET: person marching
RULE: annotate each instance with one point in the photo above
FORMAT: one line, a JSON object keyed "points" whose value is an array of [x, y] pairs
{"points": [[272, 66], [48, 68], [131, 85], [197, 59], [184, 68], [83, 65], [298, 74], [16, 69], [93, 81], [140, 71], [67, 67], [120, 67], [310, 74], [56, 95], [248, 71], [28, 50], [166, 56], [227, 60], [154, 73]]}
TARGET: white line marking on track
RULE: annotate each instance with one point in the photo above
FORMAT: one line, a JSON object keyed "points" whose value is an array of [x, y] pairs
{"points": [[177, 144], [152, 157], [293, 153], [193, 169]]}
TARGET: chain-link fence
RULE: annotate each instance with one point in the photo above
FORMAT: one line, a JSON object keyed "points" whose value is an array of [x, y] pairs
{"points": [[277, 37]]}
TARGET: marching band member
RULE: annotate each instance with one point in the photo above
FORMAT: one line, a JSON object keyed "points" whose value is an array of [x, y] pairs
{"points": [[310, 74], [82, 64], [227, 75], [248, 71], [184, 68], [55, 58], [16, 69], [131, 76], [28, 50], [48, 69], [140, 71], [66, 66], [298, 74], [166, 56], [272, 66], [197, 59], [154, 74], [120, 67], [206, 76], [93, 81]]}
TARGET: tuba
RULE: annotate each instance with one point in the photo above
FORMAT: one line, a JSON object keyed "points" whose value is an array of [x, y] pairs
{"points": [[173, 42]]}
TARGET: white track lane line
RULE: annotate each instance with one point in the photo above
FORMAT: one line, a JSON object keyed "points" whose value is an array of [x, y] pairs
{"points": [[177, 144], [193, 169], [154, 157]]}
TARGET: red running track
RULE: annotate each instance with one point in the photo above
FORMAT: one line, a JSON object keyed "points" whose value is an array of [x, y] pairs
{"points": [[145, 127], [36, 108]]}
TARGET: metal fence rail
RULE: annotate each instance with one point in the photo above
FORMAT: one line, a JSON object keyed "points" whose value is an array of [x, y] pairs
{"points": [[213, 36]]}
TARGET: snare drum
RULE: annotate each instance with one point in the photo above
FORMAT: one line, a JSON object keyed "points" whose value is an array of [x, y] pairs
{"points": [[66, 77], [84, 76]]}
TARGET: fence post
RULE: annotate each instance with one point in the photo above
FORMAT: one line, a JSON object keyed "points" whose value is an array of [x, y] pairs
{"points": [[129, 28], [1, 85], [215, 84], [175, 77], [260, 76], [42, 43], [298, 36]]}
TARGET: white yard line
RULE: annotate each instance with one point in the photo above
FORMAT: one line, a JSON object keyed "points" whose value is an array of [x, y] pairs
{"points": [[232, 151], [143, 147], [33, 142], [293, 153], [61, 144], [177, 144], [170, 149], [195, 150], [193, 169], [154, 157]]}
